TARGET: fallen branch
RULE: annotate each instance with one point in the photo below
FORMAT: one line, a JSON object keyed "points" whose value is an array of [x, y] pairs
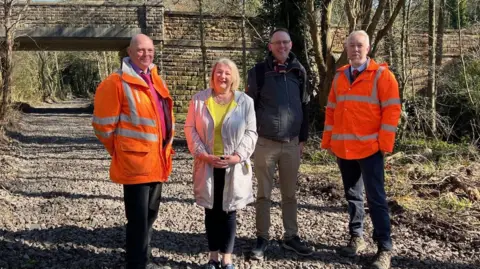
{"points": [[396, 156], [472, 192]]}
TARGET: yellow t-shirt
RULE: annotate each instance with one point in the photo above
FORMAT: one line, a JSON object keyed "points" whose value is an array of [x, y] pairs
{"points": [[218, 113]]}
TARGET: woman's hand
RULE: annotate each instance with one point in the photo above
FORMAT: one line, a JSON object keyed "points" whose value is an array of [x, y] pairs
{"points": [[232, 159], [213, 160]]}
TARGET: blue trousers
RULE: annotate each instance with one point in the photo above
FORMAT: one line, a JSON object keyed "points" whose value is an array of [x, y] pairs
{"points": [[368, 173]]}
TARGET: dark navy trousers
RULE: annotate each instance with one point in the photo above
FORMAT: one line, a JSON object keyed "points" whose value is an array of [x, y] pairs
{"points": [[367, 173]]}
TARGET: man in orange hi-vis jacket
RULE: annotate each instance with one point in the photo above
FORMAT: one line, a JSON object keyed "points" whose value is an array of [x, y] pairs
{"points": [[362, 115], [133, 118]]}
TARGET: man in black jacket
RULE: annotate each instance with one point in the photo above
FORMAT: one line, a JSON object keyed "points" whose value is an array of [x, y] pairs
{"points": [[278, 89]]}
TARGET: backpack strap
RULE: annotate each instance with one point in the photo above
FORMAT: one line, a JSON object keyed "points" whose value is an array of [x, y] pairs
{"points": [[260, 74]]}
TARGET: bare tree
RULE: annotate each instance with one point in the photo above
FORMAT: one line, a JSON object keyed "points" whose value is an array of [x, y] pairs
{"points": [[431, 89], [440, 32], [460, 45], [359, 14], [10, 22]]}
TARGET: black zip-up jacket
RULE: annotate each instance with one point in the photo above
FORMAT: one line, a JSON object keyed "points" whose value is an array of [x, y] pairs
{"points": [[281, 104]]}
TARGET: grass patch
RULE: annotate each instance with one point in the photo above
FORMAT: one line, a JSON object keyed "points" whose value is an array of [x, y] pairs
{"points": [[454, 203]]}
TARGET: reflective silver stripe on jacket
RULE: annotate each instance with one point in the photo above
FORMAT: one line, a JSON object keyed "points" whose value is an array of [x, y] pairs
{"points": [[103, 134], [328, 128], [105, 120], [391, 101], [134, 118], [131, 103], [373, 98], [141, 120], [354, 137], [335, 82], [136, 134], [388, 127]]}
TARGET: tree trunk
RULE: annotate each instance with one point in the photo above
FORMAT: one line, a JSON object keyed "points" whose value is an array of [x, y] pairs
{"points": [[387, 27], [403, 60], [440, 31], [388, 38], [431, 90], [10, 24], [42, 74], [322, 47], [460, 43], [7, 69], [366, 9]]}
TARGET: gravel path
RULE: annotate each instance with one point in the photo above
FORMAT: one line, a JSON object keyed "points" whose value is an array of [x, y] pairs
{"points": [[59, 210]]}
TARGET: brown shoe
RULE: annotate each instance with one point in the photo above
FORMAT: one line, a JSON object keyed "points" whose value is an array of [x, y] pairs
{"points": [[354, 247], [382, 260]]}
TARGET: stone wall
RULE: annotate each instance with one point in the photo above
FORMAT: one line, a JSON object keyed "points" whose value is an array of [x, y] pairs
{"points": [[182, 70], [177, 36], [181, 57]]}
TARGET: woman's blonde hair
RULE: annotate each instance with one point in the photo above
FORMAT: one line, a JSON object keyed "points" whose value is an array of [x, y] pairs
{"points": [[234, 69]]}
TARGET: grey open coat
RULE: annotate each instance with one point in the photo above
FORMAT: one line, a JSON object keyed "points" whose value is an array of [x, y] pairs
{"points": [[239, 136]]}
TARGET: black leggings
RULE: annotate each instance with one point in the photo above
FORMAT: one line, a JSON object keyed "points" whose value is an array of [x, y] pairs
{"points": [[220, 225]]}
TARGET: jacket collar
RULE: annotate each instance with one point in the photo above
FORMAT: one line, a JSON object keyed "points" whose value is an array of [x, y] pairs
{"points": [[292, 61], [371, 66], [238, 96], [131, 76]]}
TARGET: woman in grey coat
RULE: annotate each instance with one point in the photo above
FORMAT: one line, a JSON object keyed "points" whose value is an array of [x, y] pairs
{"points": [[221, 135]]}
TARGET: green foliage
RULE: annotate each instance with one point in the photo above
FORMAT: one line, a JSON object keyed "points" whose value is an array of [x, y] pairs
{"points": [[453, 202], [457, 102], [437, 150], [457, 10], [47, 76]]}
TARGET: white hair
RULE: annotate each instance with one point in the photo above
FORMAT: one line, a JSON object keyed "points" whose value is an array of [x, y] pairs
{"points": [[360, 33]]}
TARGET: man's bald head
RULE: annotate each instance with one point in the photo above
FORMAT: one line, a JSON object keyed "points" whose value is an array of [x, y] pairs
{"points": [[139, 38], [141, 51]]}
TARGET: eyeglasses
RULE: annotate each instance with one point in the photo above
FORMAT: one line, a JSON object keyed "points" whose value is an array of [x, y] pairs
{"points": [[284, 42]]}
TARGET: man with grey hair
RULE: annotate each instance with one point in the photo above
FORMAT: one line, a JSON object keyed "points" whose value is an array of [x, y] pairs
{"points": [[361, 120]]}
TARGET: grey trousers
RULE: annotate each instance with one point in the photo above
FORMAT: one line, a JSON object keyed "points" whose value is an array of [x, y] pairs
{"points": [[269, 154]]}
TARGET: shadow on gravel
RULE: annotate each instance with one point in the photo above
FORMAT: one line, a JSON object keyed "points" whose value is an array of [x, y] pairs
{"points": [[79, 248], [407, 262], [52, 139], [59, 110], [61, 255], [79, 149], [69, 195]]}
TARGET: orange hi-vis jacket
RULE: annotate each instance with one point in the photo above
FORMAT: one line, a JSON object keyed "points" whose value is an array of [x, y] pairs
{"points": [[362, 117], [127, 122]]}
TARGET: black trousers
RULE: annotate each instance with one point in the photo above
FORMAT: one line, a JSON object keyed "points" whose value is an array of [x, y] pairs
{"points": [[141, 208], [220, 225]]}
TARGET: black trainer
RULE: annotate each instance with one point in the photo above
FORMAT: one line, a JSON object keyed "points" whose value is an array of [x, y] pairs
{"points": [[298, 246], [258, 252]]}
